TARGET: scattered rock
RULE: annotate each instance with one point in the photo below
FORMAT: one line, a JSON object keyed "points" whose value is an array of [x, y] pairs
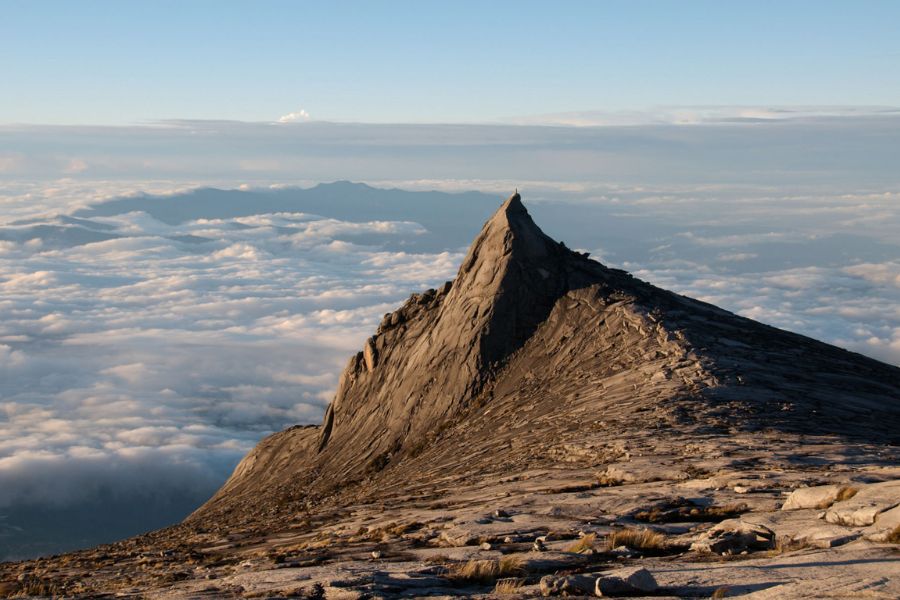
{"points": [[567, 585], [862, 509], [626, 581], [885, 522], [456, 536], [485, 546], [622, 552], [820, 496], [733, 536]]}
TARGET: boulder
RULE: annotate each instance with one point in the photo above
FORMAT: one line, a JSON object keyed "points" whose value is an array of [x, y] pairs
{"points": [[370, 354], [625, 582], [457, 536], [734, 536], [863, 509], [885, 523], [567, 585], [820, 496]]}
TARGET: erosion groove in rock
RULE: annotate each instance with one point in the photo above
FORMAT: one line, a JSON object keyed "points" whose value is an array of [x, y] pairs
{"points": [[543, 413]]}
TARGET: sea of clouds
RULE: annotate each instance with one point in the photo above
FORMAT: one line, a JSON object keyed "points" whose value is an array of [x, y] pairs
{"points": [[143, 354]]}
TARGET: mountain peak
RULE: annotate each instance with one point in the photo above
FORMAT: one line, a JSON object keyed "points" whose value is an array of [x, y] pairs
{"points": [[530, 323], [509, 233]]}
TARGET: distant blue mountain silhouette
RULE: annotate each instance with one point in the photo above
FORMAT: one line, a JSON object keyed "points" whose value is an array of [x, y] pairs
{"points": [[451, 218]]}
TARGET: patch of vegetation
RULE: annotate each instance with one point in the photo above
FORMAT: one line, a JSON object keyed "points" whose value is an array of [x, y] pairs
{"points": [[636, 539], [571, 489], [486, 571], [695, 472], [607, 481], [787, 544], [510, 585], [584, 544], [721, 592], [385, 532], [894, 536], [37, 587], [845, 493], [675, 513]]}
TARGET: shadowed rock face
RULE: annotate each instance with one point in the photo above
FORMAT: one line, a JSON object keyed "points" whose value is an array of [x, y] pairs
{"points": [[532, 345]]}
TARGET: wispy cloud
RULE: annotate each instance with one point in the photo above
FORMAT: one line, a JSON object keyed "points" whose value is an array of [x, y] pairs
{"points": [[293, 117]]}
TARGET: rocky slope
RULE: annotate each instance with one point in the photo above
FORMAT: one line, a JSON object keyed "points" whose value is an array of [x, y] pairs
{"points": [[540, 397]]}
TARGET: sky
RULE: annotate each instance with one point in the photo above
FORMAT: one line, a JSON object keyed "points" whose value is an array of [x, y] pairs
{"points": [[111, 62], [176, 282]]}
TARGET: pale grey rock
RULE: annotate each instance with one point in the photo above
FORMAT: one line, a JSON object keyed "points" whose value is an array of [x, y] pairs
{"points": [[862, 509], [820, 496], [885, 523]]}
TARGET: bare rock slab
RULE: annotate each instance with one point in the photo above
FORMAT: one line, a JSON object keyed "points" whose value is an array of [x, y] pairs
{"points": [[827, 536]]}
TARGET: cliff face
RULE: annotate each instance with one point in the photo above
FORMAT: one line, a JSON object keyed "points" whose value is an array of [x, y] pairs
{"points": [[532, 345]]}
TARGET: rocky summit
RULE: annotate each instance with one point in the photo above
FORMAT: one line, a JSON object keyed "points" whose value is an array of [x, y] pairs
{"points": [[545, 425]]}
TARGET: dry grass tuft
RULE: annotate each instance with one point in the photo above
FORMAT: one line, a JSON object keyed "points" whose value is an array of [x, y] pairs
{"points": [[636, 539], [607, 481], [721, 592], [675, 514], [510, 566], [476, 571], [845, 493], [486, 571], [510, 585], [894, 536], [437, 559], [786, 544], [584, 544]]}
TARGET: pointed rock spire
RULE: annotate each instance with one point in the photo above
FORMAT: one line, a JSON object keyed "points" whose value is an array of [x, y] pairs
{"points": [[507, 285]]}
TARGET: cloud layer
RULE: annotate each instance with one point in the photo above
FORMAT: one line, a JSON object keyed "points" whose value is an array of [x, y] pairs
{"points": [[148, 363]]}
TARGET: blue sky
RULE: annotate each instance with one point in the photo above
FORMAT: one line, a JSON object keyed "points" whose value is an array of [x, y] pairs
{"points": [[109, 62]]}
